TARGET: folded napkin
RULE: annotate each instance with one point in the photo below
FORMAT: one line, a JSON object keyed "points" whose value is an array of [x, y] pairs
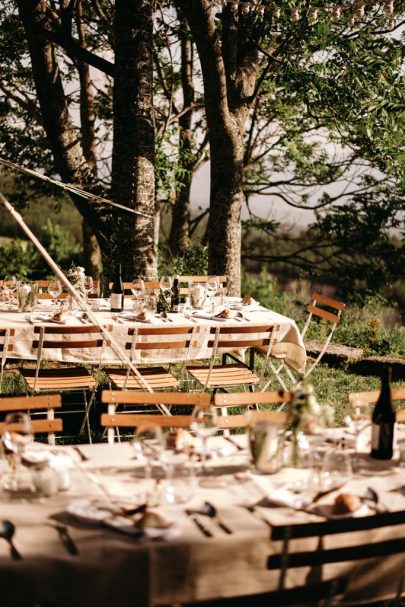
{"points": [[142, 317], [40, 318], [220, 313], [283, 496], [139, 525]]}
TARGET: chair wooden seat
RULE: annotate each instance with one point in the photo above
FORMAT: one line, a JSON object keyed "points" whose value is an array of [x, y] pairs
{"points": [[224, 375], [223, 339], [70, 378], [146, 340], [65, 378], [157, 378]]}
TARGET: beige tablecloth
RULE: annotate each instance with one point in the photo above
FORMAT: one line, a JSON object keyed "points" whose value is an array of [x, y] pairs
{"points": [[115, 569], [289, 341]]}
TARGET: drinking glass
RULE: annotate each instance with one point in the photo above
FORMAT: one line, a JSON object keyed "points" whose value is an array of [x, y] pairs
{"points": [[358, 421], [88, 286], [138, 294], [148, 446], [17, 434], [212, 288], [204, 425], [336, 469], [54, 289]]}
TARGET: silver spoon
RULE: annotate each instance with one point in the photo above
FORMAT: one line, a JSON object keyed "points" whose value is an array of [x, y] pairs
{"points": [[210, 510], [7, 530]]}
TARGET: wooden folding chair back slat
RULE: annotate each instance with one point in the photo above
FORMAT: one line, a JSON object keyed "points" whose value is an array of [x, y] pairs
{"points": [[286, 559], [72, 378], [45, 404], [43, 284], [30, 403], [149, 285], [365, 399], [112, 398], [224, 338], [229, 422], [147, 340], [247, 400]]}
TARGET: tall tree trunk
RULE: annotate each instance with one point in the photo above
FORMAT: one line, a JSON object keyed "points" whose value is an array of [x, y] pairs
{"points": [[229, 78], [133, 173], [67, 152], [179, 238], [91, 250]]}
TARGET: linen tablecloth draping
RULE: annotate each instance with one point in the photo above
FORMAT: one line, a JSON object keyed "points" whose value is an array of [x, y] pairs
{"points": [[115, 569], [289, 343]]}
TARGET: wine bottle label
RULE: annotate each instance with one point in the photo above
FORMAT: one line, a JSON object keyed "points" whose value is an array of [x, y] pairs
{"points": [[382, 437], [116, 301]]}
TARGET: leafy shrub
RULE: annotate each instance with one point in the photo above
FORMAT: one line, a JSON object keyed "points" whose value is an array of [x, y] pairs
{"points": [[193, 262]]}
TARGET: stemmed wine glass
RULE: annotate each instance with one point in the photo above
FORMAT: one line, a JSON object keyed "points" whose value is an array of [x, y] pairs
{"points": [[17, 434], [148, 447], [357, 419], [138, 294], [88, 286], [204, 424], [212, 288], [54, 289]]}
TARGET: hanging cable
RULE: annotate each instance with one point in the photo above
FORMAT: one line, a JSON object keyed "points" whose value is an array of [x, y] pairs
{"points": [[69, 187]]}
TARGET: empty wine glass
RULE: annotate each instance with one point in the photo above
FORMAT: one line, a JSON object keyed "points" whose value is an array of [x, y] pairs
{"points": [[88, 286], [212, 288], [148, 446], [357, 419], [17, 434], [204, 425], [138, 295], [337, 468], [54, 289]]}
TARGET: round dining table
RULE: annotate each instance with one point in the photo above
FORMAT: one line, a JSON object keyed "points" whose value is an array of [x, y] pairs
{"points": [[73, 555]]}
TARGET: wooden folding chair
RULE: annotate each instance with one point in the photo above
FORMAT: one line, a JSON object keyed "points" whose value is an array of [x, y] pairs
{"points": [[43, 404], [5, 347], [144, 341], [112, 398], [223, 339], [288, 559], [321, 307], [247, 401], [73, 378], [361, 400]]}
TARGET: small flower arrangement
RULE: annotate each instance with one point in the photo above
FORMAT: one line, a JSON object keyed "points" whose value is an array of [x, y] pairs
{"points": [[77, 275], [305, 414]]}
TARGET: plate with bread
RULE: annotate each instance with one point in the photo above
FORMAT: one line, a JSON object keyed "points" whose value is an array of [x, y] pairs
{"points": [[345, 505]]}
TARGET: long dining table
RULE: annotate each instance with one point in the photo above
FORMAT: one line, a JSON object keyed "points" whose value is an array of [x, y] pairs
{"points": [[104, 561], [288, 344]]}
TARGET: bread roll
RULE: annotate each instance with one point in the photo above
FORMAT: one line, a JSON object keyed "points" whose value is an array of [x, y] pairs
{"points": [[346, 503]]}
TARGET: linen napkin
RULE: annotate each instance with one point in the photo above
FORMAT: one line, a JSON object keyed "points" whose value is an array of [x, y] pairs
{"points": [[146, 317], [49, 318], [221, 313]]}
